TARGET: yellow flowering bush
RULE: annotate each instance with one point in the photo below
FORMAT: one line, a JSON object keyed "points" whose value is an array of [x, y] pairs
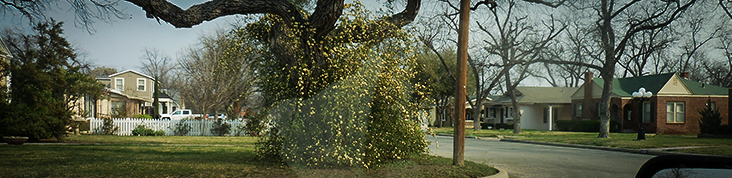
{"points": [[338, 102]]}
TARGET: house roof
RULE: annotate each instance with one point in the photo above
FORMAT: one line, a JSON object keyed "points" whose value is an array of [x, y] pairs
{"points": [[163, 95], [545, 95], [127, 96], [138, 73], [654, 83], [699, 88]]}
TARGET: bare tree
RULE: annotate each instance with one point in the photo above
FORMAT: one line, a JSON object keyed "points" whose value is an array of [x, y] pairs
{"points": [[518, 44], [642, 49], [485, 75], [216, 73], [86, 11], [720, 72], [577, 45], [159, 66], [695, 31], [727, 7], [610, 23]]}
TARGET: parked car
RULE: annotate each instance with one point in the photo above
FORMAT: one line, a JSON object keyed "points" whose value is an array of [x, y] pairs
{"points": [[181, 114], [220, 116]]}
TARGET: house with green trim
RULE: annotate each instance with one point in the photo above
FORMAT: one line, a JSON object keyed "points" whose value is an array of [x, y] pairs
{"points": [[673, 108]]}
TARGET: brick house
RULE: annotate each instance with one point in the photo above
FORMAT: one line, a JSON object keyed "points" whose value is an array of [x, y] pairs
{"points": [[673, 108]]}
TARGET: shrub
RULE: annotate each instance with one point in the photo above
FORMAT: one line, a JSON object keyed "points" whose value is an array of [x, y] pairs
{"points": [[108, 128], [142, 130], [143, 116], [181, 128], [268, 148], [255, 123], [711, 121], [584, 125], [220, 128]]}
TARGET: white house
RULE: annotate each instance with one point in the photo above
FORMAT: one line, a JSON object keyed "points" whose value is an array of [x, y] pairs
{"points": [[539, 107]]}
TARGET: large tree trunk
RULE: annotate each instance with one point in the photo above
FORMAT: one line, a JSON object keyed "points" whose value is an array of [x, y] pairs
{"points": [[607, 36], [476, 117]]}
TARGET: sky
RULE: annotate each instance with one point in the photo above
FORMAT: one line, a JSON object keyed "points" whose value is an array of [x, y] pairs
{"points": [[120, 44]]}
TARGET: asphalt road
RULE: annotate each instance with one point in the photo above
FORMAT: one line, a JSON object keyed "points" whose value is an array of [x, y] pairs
{"points": [[532, 160]]}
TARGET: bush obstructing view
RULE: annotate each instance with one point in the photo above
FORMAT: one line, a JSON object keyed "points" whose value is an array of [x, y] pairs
{"points": [[354, 108]]}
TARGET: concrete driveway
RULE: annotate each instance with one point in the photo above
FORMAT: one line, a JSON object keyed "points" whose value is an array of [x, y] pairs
{"points": [[532, 160]]}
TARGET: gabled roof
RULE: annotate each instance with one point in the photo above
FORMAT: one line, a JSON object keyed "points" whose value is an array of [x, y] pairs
{"points": [[699, 88], [127, 96], [138, 73], [543, 95], [654, 83], [163, 95]]}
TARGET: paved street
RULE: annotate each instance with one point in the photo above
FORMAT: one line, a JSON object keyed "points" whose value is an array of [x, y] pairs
{"points": [[531, 160]]}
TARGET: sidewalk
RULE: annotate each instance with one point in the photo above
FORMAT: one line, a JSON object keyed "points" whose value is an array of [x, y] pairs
{"points": [[647, 151]]}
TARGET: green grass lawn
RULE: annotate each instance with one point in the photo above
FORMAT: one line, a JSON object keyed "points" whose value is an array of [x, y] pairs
{"points": [[714, 146], [171, 156]]}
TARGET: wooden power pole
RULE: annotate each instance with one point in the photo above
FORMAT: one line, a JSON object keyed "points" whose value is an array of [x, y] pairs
{"points": [[458, 149]]}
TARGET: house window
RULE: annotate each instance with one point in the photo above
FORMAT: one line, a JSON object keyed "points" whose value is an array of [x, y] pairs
{"points": [[578, 110], [647, 112], [117, 107], [713, 104], [675, 112], [510, 113], [119, 84], [140, 84]]}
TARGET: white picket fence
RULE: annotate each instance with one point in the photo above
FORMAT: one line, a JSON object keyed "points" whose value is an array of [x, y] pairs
{"points": [[126, 125]]}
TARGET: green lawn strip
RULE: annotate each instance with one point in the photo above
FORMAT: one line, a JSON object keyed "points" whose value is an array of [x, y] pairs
{"points": [[620, 140], [715, 150], [112, 139], [121, 156]]}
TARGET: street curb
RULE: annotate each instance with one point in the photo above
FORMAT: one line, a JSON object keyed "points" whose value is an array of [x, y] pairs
{"points": [[626, 150], [501, 174], [448, 135]]}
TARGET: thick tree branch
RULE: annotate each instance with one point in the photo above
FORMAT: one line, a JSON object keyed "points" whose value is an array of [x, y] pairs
{"points": [[721, 4], [197, 14], [547, 3], [576, 63], [325, 16]]}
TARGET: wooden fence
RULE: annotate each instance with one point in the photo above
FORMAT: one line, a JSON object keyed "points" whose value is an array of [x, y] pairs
{"points": [[198, 127]]}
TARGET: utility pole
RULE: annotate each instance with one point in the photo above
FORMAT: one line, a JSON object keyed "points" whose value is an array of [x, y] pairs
{"points": [[458, 148]]}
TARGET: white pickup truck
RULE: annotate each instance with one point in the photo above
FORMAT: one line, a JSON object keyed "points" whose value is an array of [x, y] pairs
{"points": [[180, 114]]}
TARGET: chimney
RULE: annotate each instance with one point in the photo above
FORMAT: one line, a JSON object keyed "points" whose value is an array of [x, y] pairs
{"points": [[587, 101], [684, 75]]}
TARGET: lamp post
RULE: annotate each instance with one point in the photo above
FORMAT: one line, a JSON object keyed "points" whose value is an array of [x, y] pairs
{"points": [[640, 96]]}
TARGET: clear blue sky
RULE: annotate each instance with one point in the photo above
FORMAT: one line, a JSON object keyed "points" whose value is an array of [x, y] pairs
{"points": [[119, 44]]}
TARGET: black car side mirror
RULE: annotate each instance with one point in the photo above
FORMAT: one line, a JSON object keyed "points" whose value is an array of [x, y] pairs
{"points": [[715, 166]]}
